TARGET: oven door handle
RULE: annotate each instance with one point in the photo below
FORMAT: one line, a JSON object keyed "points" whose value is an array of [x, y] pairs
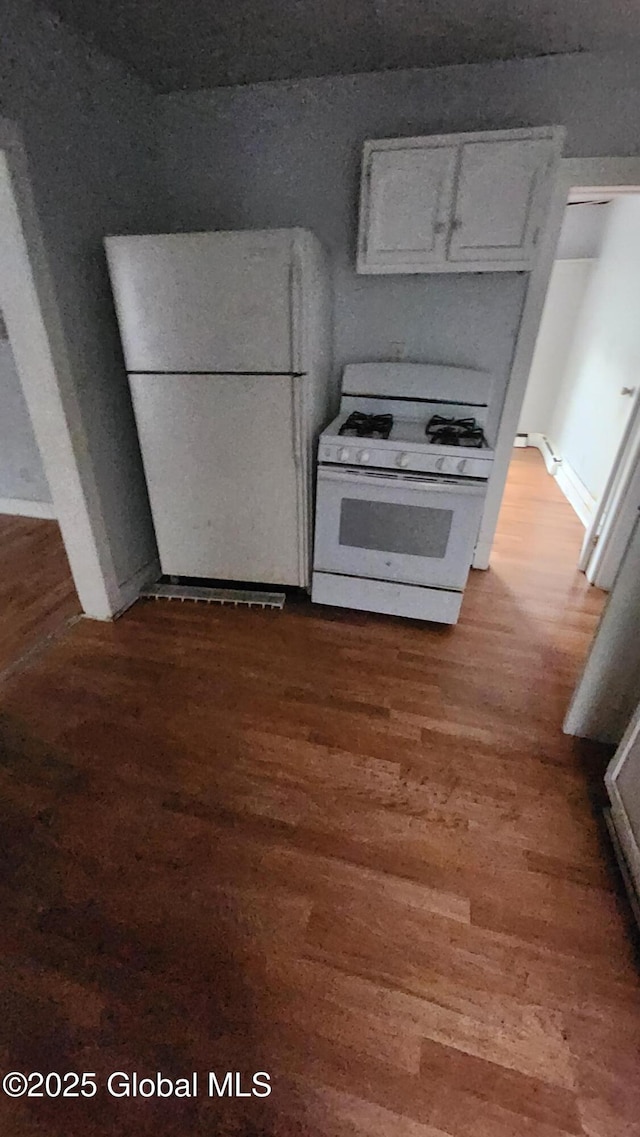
{"points": [[435, 484]]}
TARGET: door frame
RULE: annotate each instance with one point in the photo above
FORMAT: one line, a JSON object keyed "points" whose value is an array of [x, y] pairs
{"points": [[608, 534], [42, 359], [619, 815], [573, 173]]}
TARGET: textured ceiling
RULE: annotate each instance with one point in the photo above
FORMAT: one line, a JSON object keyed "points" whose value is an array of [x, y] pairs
{"points": [[181, 44]]}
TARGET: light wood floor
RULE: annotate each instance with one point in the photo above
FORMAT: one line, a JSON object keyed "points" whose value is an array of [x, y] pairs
{"points": [[351, 851], [37, 595]]}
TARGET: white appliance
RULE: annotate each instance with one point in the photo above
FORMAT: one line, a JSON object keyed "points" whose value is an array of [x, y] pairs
{"points": [[226, 344], [398, 509]]}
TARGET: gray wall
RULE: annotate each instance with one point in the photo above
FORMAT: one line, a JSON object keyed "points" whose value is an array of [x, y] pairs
{"points": [[22, 475], [276, 154], [289, 154], [90, 133]]}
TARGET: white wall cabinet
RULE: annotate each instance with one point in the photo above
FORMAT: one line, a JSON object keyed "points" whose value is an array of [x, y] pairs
{"points": [[455, 203]]}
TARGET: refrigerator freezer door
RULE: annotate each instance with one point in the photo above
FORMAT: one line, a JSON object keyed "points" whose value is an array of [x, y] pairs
{"points": [[204, 301], [219, 457]]}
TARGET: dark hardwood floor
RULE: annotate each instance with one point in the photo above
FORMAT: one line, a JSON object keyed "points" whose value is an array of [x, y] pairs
{"points": [[352, 851], [37, 595]]}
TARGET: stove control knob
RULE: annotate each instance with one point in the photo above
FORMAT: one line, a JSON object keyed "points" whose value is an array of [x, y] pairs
{"points": [[403, 460], [364, 456], [343, 454], [461, 465]]}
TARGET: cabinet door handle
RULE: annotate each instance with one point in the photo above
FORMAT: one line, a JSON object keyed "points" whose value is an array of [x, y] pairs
{"points": [[628, 391]]}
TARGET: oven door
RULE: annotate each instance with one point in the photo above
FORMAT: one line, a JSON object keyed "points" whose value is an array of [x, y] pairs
{"points": [[398, 527]]}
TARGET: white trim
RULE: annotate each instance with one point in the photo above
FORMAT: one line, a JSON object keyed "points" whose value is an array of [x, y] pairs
{"points": [[38, 341], [572, 173], [18, 507], [612, 524], [608, 547], [551, 460], [585, 195], [619, 816], [582, 502], [131, 590]]}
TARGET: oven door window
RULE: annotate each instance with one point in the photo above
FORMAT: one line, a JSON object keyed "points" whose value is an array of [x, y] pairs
{"points": [[410, 530], [421, 532]]}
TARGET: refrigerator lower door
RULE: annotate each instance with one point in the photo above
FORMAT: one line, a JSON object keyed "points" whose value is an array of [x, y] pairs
{"points": [[219, 454]]}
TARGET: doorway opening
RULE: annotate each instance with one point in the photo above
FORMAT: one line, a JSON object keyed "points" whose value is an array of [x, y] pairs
{"points": [[37, 594], [31, 314], [24, 489], [580, 415]]}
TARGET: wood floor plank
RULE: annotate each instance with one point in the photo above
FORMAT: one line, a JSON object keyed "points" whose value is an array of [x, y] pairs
{"points": [[339, 1114], [469, 1007], [37, 595], [353, 851], [489, 1081]]}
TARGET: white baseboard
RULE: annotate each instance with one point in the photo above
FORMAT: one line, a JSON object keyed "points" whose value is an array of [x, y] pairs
{"points": [[546, 448], [568, 481], [131, 589], [21, 508], [576, 493]]}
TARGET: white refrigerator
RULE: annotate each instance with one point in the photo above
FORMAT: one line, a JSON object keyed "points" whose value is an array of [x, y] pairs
{"points": [[226, 339]]}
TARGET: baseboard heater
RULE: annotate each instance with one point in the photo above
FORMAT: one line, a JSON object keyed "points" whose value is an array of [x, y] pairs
{"points": [[201, 594], [551, 459], [541, 442]]}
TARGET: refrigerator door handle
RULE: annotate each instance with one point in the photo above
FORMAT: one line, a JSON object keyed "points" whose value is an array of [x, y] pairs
{"points": [[297, 408], [297, 306], [302, 465]]}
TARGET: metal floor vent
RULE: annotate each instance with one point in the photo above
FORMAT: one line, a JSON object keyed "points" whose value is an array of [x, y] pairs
{"points": [[202, 594]]}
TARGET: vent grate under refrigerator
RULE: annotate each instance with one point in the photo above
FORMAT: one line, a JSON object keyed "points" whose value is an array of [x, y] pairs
{"points": [[203, 595]]}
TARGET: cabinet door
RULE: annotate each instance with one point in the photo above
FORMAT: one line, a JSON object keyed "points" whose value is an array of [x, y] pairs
{"points": [[406, 207], [499, 202]]}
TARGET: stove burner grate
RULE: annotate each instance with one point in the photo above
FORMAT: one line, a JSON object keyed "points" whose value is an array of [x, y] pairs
{"points": [[361, 425], [442, 431]]}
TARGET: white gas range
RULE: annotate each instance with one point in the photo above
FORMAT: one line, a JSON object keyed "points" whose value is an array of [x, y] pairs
{"points": [[402, 479]]}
